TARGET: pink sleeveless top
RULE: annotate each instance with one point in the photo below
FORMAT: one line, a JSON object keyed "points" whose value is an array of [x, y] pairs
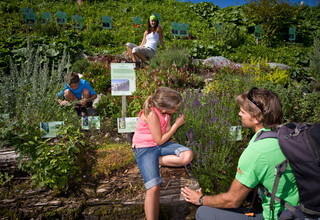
{"points": [[142, 136]]}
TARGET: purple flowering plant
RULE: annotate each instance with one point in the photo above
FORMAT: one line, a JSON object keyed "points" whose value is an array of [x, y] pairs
{"points": [[206, 132]]}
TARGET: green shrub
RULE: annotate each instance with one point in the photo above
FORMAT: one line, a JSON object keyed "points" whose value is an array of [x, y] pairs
{"points": [[29, 95], [315, 60], [165, 59]]}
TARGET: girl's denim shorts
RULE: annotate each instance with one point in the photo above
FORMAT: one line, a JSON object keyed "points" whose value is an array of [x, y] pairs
{"points": [[147, 159]]}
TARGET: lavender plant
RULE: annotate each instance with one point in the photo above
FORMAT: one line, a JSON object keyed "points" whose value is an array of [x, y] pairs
{"points": [[206, 131]]}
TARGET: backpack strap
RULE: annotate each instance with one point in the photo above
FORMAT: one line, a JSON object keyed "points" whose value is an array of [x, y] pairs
{"points": [[281, 168], [266, 134]]}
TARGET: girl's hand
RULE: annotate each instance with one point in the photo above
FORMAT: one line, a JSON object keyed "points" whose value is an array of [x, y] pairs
{"points": [[180, 120]]}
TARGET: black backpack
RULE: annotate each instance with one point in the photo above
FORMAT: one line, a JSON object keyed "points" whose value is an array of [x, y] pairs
{"points": [[300, 144]]}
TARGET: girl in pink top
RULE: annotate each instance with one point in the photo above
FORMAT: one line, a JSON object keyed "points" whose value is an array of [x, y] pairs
{"points": [[152, 146]]}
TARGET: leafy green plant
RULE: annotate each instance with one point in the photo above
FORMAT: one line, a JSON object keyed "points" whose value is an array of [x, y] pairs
{"points": [[5, 178], [165, 59], [274, 16], [315, 60]]}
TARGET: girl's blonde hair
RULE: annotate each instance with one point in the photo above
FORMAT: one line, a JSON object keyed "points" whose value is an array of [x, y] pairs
{"points": [[163, 99]]}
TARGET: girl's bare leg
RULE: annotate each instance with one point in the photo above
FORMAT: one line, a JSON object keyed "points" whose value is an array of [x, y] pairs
{"points": [[129, 50], [152, 203], [184, 158], [141, 56]]}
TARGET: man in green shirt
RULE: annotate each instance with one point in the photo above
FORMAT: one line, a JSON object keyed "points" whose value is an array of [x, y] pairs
{"points": [[260, 110]]}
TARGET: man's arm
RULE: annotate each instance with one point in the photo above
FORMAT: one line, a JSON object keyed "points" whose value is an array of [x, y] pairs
{"points": [[231, 199]]}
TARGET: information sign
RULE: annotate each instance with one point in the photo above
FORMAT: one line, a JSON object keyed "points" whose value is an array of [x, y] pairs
{"points": [[77, 21], [90, 122], [123, 79], [50, 129], [31, 18], [258, 32], [137, 22], [127, 125], [292, 34], [179, 29], [61, 17], [107, 22], [46, 17], [235, 133]]}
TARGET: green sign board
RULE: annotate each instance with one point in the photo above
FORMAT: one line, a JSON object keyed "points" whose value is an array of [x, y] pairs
{"points": [[50, 129], [77, 21], [137, 22], [127, 125], [258, 32], [25, 11], [61, 17], [46, 17], [31, 18], [292, 34], [123, 78], [218, 27], [158, 17], [90, 122], [179, 29], [107, 22]]}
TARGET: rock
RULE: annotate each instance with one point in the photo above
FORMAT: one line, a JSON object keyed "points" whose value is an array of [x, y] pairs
{"points": [[97, 100], [279, 65], [217, 62]]}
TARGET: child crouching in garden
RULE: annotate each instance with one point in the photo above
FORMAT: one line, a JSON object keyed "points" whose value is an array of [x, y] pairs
{"points": [[152, 146]]}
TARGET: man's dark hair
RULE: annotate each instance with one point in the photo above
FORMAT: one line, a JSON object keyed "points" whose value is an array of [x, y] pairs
{"points": [[263, 105]]}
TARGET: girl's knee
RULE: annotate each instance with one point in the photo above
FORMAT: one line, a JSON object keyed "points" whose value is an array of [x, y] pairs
{"points": [[68, 94], [187, 156], [154, 190]]}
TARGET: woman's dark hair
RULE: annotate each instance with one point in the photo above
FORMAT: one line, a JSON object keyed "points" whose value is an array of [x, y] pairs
{"points": [[149, 26], [263, 105]]}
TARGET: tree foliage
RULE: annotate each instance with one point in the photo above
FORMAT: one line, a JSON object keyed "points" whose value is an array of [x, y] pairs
{"points": [[273, 15]]}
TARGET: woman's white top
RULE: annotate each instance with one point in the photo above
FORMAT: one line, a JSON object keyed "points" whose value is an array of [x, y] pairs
{"points": [[152, 41]]}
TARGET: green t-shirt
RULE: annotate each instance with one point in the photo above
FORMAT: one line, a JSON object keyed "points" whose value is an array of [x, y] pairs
{"points": [[257, 165]]}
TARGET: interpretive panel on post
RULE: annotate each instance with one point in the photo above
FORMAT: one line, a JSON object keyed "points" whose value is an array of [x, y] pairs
{"points": [[90, 122], [127, 125], [50, 129], [46, 17], [137, 22], [292, 34], [258, 32], [235, 133], [107, 22], [123, 79], [61, 17]]}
